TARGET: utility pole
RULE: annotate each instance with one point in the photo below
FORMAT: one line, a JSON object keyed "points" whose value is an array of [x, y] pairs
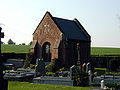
{"points": [[3, 83]]}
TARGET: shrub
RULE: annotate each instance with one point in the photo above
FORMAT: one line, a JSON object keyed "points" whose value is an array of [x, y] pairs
{"points": [[48, 68], [50, 74], [80, 78], [114, 64], [60, 70], [32, 66], [5, 67], [27, 61], [111, 85], [54, 66]]}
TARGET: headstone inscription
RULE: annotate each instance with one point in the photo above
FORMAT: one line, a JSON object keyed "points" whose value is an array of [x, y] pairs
{"points": [[40, 67]]}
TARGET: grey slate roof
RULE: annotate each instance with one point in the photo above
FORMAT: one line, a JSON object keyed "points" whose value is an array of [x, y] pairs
{"points": [[71, 29]]}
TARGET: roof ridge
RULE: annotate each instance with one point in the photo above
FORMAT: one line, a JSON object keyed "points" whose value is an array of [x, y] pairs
{"points": [[63, 18]]}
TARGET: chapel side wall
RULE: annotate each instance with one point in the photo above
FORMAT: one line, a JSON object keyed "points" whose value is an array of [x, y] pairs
{"points": [[72, 54], [85, 51]]}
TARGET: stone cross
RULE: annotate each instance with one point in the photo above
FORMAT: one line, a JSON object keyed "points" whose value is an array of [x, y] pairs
{"points": [[78, 61]]}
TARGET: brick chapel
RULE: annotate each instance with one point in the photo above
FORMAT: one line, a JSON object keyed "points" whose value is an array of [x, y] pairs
{"points": [[58, 38]]}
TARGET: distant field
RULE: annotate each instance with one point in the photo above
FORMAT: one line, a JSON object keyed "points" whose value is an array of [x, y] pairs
{"points": [[105, 51], [94, 50], [15, 48]]}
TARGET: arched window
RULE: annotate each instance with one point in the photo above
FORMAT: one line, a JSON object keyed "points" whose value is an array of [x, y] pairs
{"points": [[46, 52]]}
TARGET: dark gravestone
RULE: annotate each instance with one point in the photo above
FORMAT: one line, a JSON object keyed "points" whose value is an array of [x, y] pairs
{"points": [[40, 67]]}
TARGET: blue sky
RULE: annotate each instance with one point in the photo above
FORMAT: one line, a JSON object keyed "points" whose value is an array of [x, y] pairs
{"points": [[101, 18]]}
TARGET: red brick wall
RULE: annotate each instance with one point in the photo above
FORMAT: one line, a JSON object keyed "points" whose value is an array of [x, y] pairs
{"points": [[47, 31]]}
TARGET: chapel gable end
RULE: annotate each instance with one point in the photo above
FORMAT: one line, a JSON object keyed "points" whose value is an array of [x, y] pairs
{"points": [[46, 27]]}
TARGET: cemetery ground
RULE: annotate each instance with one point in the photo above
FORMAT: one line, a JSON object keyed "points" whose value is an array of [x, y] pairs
{"points": [[95, 51]]}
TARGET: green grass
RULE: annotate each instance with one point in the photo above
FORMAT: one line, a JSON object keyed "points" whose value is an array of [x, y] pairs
{"points": [[12, 85], [100, 71], [105, 51], [94, 50], [15, 48]]}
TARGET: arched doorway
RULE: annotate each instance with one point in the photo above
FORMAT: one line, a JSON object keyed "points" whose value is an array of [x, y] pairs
{"points": [[46, 52]]}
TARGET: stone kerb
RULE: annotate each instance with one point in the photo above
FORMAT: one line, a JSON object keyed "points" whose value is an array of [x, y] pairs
{"points": [[54, 80], [67, 81]]}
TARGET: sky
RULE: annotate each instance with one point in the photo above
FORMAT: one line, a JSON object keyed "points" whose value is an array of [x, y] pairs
{"points": [[100, 18]]}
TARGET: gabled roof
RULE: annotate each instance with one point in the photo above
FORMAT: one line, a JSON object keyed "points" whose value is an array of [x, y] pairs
{"points": [[72, 29]]}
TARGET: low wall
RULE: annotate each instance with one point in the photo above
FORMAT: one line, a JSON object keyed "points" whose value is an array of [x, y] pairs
{"points": [[27, 77], [16, 62], [106, 80], [6, 56], [54, 80], [102, 62]]}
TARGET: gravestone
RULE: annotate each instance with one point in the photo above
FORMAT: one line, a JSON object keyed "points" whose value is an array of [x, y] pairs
{"points": [[90, 77], [40, 67], [71, 70], [88, 67]]}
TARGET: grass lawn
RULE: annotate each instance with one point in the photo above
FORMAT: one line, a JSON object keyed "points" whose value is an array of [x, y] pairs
{"points": [[100, 71], [12, 85], [104, 69], [105, 51], [15, 48]]}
